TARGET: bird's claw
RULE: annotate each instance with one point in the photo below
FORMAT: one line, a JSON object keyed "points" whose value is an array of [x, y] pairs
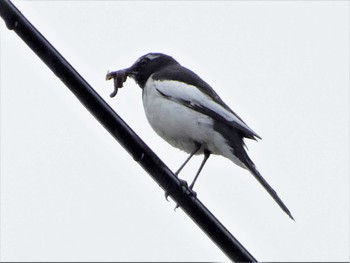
{"points": [[166, 196], [183, 184], [185, 188], [192, 194]]}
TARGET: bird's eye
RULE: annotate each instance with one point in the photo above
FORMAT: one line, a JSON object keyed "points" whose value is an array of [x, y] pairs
{"points": [[143, 62]]}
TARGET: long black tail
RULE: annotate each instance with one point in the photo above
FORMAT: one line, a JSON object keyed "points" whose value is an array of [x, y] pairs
{"points": [[251, 167], [234, 138]]}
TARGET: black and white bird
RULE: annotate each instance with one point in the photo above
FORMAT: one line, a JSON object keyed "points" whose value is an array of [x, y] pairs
{"points": [[186, 112]]}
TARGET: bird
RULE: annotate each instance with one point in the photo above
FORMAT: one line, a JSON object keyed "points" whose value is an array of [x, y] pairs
{"points": [[186, 112]]}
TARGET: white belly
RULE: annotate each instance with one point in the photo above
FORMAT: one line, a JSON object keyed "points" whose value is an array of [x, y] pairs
{"points": [[179, 125]]}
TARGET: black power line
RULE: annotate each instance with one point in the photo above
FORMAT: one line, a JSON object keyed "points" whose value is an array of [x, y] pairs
{"points": [[110, 120]]}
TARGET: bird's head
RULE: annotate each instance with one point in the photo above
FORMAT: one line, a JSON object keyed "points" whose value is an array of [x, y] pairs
{"points": [[146, 65], [141, 70]]}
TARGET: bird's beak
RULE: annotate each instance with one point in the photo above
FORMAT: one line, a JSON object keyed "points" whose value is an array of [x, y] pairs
{"points": [[130, 74]]}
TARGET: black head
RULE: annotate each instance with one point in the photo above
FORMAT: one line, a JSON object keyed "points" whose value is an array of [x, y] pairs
{"points": [[146, 65]]}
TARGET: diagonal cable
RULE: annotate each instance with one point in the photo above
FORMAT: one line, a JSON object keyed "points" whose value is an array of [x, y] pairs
{"points": [[132, 143]]}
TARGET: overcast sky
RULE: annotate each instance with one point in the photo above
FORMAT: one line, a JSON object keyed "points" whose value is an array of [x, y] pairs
{"points": [[70, 192]]}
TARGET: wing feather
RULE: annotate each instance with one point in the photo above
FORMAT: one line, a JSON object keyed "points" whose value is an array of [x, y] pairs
{"points": [[193, 98]]}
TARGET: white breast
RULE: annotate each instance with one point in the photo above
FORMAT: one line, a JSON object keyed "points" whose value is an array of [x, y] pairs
{"points": [[179, 125]]}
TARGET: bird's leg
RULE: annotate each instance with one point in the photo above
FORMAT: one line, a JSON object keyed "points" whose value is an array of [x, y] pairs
{"points": [[183, 182], [196, 149], [206, 156]]}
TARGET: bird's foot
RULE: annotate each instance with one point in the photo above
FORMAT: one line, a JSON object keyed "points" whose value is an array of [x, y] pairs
{"points": [[183, 184], [192, 194], [185, 188]]}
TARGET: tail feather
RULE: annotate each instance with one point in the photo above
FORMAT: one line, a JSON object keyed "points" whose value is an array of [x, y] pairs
{"points": [[251, 167], [234, 138]]}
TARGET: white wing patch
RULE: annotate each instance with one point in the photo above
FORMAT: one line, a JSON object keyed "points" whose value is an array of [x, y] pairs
{"points": [[152, 56], [182, 91]]}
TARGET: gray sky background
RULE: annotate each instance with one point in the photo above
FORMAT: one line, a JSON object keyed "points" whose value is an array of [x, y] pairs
{"points": [[70, 192]]}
